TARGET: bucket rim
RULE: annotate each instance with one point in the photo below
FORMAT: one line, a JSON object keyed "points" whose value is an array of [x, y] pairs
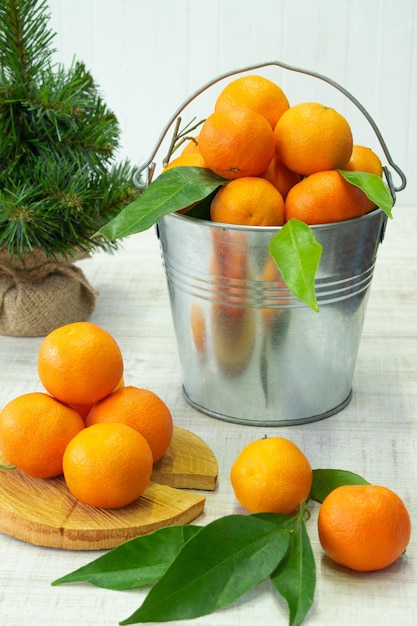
{"points": [[269, 229]]}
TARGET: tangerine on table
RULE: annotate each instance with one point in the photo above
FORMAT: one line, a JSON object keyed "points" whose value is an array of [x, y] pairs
{"points": [[79, 363], [363, 527], [141, 409], [271, 475], [324, 197], [236, 142], [108, 465], [35, 429], [250, 201], [257, 93], [311, 137]]}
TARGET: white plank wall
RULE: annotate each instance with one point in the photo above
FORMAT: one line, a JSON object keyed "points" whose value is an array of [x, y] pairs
{"points": [[148, 56]]}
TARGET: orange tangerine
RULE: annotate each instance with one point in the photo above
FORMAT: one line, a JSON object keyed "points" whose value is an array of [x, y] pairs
{"points": [[236, 142]]}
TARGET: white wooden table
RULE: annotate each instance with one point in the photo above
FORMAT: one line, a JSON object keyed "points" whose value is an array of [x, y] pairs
{"points": [[375, 436]]}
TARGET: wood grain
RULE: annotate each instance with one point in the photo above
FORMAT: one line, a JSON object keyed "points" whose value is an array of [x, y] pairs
{"points": [[43, 512], [187, 464]]}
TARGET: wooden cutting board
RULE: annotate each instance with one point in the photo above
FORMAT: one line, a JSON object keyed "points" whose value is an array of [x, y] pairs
{"points": [[44, 513]]}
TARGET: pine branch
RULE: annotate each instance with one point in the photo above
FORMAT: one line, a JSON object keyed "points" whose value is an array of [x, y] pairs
{"points": [[58, 180], [63, 210], [25, 40]]}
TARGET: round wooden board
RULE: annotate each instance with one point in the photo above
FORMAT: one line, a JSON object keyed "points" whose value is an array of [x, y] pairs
{"points": [[44, 513]]}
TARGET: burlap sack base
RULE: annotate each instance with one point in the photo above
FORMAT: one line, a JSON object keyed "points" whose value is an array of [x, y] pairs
{"points": [[40, 293]]}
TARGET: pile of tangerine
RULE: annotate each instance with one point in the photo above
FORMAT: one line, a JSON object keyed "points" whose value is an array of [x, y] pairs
{"points": [[103, 436], [282, 160]]}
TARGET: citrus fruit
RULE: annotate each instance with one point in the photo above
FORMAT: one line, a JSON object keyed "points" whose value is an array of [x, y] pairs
{"points": [[363, 527], [107, 465], [79, 363], [141, 409], [236, 142], [35, 429], [186, 160], [254, 92], [311, 137], [280, 176], [84, 409], [250, 201], [324, 197], [364, 159], [271, 475]]}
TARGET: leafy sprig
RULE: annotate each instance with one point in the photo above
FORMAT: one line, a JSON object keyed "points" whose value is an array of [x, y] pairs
{"points": [[179, 137], [196, 570]]}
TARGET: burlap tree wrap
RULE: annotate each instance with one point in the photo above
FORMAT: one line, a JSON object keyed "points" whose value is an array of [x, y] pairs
{"points": [[39, 293]]}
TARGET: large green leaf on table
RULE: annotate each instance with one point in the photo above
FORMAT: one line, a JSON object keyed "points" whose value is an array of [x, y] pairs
{"points": [[135, 563], [171, 191], [297, 253], [325, 480], [374, 187], [215, 567], [295, 576]]}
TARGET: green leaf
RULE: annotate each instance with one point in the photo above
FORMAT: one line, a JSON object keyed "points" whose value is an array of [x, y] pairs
{"points": [[171, 191], [325, 480], [374, 187], [219, 564], [135, 563], [295, 576], [297, 253], [274, 518], [201, 209]]}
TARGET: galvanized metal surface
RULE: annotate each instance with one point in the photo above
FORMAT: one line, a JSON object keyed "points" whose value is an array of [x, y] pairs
{"points": [[250, 351]]}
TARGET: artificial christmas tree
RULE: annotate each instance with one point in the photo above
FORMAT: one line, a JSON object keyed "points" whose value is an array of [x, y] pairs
{"points": [[59, 182]]}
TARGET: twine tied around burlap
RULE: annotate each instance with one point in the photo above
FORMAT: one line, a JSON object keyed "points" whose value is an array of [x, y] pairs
{"points": [[39, 293]]}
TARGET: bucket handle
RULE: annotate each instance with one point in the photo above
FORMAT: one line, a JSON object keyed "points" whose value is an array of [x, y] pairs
{"points": [[150, 165]]}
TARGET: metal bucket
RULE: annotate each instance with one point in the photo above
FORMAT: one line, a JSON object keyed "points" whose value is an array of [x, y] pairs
{"points": [[251, 352]]}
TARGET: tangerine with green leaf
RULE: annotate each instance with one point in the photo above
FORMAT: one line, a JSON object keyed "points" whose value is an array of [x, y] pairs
{"points": [[324, 197], [364, 159]]}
